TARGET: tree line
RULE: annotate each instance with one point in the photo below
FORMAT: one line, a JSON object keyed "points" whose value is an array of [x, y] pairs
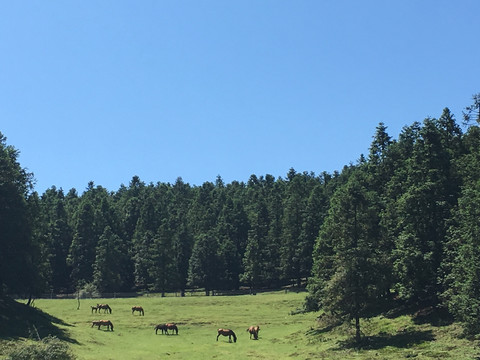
{"points": [[400, 223], [162, 237]]}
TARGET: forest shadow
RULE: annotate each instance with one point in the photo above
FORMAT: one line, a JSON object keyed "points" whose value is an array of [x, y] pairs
{"points": [[400, 340], [434, 316], [21, 321]]}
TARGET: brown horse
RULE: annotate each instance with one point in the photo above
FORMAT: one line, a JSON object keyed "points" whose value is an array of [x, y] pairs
{"points": [[162, 327], [106, 323], [253, 330], [105, 308], [227, 332], [172, 326], [94, 308], [139, 309], [166, 327]]}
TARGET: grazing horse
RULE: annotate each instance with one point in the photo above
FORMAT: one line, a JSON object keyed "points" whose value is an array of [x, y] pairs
{"points": [[253, 330], [162, 327], [94, 308], [166, 327], [172, 326], [106, 323], [105, 308], [227, 332], [139, 309]]}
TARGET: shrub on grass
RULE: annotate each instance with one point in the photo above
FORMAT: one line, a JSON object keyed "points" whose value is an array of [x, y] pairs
{"points": [[49, 348]]}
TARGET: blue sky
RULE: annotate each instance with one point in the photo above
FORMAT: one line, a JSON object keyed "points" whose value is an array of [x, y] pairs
{"points": [[104, 90]]}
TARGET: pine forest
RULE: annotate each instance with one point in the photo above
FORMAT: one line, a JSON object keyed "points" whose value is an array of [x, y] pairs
{"points": [[400, 223]]}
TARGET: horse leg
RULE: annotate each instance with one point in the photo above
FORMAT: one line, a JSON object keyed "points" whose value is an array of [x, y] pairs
{"points": [[218, 336]]}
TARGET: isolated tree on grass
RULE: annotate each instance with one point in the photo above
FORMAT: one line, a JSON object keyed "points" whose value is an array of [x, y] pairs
{"points": [[348, 270]]}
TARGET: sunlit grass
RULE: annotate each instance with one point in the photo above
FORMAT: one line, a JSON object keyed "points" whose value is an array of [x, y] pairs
{"points": [[282, 335]]}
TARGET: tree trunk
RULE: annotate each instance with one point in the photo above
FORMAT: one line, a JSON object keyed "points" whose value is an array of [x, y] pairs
{"points": [[357, 328]]}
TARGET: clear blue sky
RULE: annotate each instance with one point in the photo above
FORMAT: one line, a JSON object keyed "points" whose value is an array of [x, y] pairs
{"points": [[104, 90]]}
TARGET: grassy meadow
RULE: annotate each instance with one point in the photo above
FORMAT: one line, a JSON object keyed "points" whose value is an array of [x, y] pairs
{"points": [[282, 335]]}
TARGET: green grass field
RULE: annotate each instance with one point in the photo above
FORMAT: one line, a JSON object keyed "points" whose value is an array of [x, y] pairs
{"points": [[282, 335]]}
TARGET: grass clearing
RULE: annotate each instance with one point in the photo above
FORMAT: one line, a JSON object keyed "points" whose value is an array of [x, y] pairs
{"points": [[281, 336]]}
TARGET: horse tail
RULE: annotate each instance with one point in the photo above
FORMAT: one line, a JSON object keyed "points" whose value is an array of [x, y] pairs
{"points": [[234, 337]]}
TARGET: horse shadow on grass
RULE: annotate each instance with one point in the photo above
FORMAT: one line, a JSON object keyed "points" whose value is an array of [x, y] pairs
{"points": [[21, 321]]}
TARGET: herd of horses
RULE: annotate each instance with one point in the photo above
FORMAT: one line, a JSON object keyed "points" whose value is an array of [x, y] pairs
{"points": [[252, 330]]}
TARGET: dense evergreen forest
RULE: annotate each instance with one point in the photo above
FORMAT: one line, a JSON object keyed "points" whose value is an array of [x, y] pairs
{"points": [[400, 223]]}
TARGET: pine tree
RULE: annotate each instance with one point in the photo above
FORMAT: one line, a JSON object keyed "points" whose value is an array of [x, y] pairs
{"points": [[203, 268], [346, 272], [109, 261], [16, 228]]}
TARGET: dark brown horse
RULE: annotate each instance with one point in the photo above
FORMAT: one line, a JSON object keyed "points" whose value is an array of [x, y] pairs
{"points": [[106, 323], [105, 308], [139, 309], [253, 330], [162, 327], [227, 332], [173, 327], [94, 308], [166, 327]]}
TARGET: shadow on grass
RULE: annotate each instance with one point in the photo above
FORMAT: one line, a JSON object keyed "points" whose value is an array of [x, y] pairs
{"points": [[21, 321], [434, 316], [420, 313], [402, 340]]}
